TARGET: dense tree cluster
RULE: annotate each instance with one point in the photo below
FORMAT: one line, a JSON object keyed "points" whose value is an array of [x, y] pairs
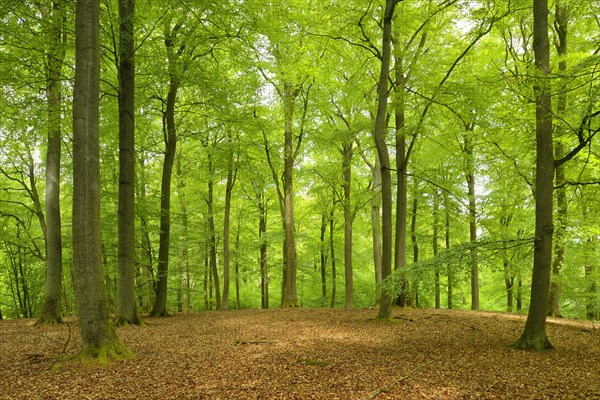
{"points": [[257, 153]]}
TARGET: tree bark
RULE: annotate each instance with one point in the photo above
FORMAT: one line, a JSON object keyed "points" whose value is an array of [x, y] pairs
{"points": [[450, 269], [170, 137], [54, 58], [436, 222], [323, 256], [332, 251], [212, 233], [534, 335], [348, 217], [226, 225], [127, 312], [185, 253], [289, 297], [470, 177], [100, 340], [561, 23], [385, 306], [262, 230], [376, 227]]}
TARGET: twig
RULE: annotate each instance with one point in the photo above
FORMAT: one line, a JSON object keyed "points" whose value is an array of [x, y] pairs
{"points": [[395, 382], [486, 389]]}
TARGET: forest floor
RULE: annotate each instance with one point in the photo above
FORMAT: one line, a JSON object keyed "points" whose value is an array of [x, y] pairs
{"points": [[308, 354]]}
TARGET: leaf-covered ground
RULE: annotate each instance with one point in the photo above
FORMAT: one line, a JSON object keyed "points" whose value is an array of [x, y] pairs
{"points": [[308, 354]]}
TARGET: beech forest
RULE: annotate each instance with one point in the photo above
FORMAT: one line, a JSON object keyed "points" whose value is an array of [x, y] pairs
{"points": [[344, 173]]}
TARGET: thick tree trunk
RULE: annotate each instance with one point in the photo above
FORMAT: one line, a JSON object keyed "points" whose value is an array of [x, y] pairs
{"points": [[147, 283], [100, 340], [385, 307], [561, 22], [348, 217], [415, 245], [126, 303], [534, 335], [51, 312]]}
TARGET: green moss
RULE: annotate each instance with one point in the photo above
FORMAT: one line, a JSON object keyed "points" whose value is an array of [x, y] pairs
{"points": [[315, 363]]}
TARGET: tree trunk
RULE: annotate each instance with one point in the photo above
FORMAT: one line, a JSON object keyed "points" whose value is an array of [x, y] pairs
{"points": [[534, 335], [185, 253], [561, 23], [289, 297], [348, 217], [100, 340], [385, 307], [126, 303], [262, 229], [212, 233], [147, 284], [55, 56], [160, 302], [323, 256], [376, 226], [415, 245], [332, 250], [470, 177], [226, 226], [436, 221], [450, 270], [237, 262], [402, 185]]}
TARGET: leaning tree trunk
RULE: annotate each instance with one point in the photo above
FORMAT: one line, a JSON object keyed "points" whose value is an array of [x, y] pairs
{"points": [[127, 312], [534, 335], [100, 340], [385, 307], [55, 57]]}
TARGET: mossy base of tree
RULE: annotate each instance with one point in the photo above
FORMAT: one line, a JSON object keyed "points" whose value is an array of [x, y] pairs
{"points": [[47, 319], [113, 351], [137, 320], [290, 304], [163, 313], [537, 343]]}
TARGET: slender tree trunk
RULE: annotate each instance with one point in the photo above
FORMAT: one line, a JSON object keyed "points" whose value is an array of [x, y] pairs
{"points": [[212, 234], [385, 307], [147, 286], [289, 297], [126, 302], [348, 217], [262, 229], [332, 251], [185, 253], [55, 55], [534, 335], [415, 244], [436, 222], [160, 302], [450, 270], [237, 262], [376, 226], [402, 185], [226, 227], [323, 256], [470, 177], [561, 22], [100, 340]]}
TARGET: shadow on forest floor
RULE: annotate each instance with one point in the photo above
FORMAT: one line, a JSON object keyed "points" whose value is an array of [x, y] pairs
{"points": [[308, 354]]}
